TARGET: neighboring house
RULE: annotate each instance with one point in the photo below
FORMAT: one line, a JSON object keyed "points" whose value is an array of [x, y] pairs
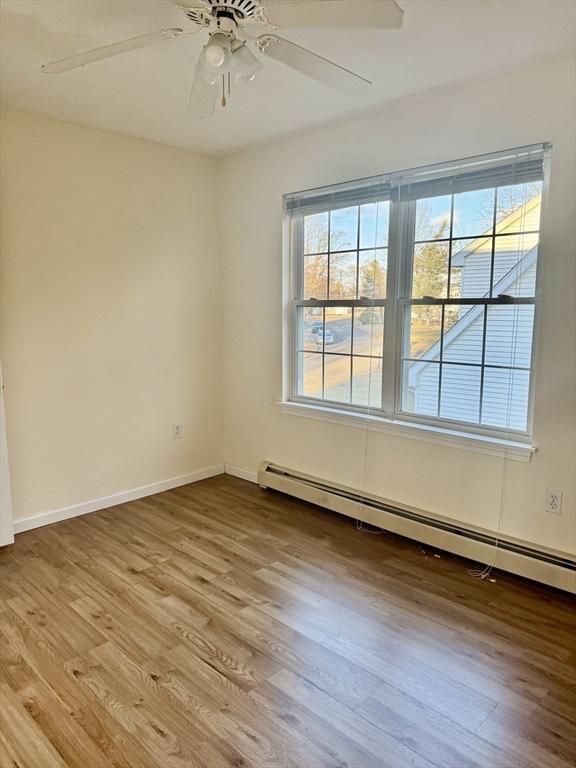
{"points": [[504, 389]]}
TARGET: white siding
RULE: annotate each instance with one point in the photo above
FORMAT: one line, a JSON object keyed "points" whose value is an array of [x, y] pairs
{"points": [[505, 402], [426, 391], [476, 270], [508, 343], [509, 332], [460, 397], [468, 348]]}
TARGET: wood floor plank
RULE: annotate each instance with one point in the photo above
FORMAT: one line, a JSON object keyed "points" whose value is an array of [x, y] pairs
{"points": [[268, 734], [390, 664], [183, 738], [362, 732], [533, 741], [336, 675], [439, 605], [437, 737], [60, 727], [26, 741], [132, 712], [486, 672], [218, 625], [332, 738], [58, 624]]}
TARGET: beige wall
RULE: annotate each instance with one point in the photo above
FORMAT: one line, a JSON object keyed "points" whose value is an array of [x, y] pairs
{"points": [[110, 312], [116, 273], [519, 108]]}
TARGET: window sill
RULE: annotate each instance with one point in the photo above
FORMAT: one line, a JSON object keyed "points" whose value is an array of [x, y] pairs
{"points": [[492, 446]]}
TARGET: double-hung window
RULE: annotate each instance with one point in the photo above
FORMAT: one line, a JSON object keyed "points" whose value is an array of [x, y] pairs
{"points": [[413, 294]]}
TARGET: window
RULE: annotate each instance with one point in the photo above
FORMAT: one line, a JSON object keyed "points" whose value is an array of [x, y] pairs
{"points": [[414, 294]]}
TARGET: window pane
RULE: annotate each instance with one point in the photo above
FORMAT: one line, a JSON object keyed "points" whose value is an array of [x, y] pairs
{"points": [[505, 398], [342, 276], [316, 276], [344, 229], [420, 388], [337, 378], [338, 330], [374, 219], [309, 329], [423, 332], [369, 331], [373, 274], [520, 205], [460, 396], [509, 333], [310, 374], [316, 233], [430, 270], [367, 381], [473, 213], [463, 334], [515, 264], [433, 217], [471, 268], [524, 280]]}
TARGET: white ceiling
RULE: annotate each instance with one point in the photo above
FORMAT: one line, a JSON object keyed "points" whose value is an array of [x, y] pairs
{"points": [[144, 93]]}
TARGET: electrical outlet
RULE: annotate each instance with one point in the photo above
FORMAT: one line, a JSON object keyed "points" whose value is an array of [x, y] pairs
{"points": [[554, 502], [177, 431]]}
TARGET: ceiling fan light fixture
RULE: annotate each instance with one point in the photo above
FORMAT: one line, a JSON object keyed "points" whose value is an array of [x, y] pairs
{"points": [[246, 65], [209, 75], [216, 53]]}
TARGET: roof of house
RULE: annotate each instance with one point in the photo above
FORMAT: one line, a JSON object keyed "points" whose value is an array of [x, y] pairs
{"points": [[526, 212]]}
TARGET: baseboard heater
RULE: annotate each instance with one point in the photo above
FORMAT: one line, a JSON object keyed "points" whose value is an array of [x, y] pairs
{"points": [[548, 566]]}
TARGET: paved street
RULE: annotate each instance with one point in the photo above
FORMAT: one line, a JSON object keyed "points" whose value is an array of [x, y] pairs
{"points": [[341, 378]]}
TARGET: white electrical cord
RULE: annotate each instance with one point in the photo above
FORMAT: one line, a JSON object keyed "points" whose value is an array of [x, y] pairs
{"points": [[360, 525], [486, 572]]}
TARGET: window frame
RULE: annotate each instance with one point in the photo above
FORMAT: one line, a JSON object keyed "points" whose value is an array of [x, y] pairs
{"points": [[400, 253]]}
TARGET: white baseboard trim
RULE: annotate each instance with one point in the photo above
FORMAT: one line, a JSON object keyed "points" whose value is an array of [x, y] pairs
{"points": [[65, 513], [243, 474]]}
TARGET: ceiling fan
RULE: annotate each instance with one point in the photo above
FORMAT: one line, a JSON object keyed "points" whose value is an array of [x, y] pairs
{"points": [[227, 57]]}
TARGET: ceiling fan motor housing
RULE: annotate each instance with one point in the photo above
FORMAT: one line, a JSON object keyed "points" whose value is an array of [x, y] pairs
{"points": [[237, 10]]}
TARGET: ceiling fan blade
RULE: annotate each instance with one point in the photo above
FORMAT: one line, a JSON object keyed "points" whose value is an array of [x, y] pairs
{"points": [[203, 97], [107, 51], [347, 14], [312, 64]]}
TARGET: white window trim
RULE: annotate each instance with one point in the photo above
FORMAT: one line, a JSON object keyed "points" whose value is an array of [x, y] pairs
{"points": [[478, 443], [478, 438]]}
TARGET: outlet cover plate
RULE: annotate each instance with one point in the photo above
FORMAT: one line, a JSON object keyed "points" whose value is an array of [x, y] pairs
{"points": [[553, 502]]}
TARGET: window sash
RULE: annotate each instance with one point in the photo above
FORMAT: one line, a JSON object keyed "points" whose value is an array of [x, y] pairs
{"points": [[402, 196], [483, 365], [391, 404]]}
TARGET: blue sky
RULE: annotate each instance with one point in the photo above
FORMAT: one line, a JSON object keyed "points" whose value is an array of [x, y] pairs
{"points": [[473, 214]]}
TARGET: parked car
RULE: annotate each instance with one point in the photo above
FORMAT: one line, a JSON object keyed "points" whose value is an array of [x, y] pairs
{"points": [[323, 335]]}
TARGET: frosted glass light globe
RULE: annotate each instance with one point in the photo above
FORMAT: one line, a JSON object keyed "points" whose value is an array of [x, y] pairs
{"points": [[214, 55]]}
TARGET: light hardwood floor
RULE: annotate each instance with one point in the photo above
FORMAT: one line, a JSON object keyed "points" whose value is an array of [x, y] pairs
{"points": [[221, 625]]}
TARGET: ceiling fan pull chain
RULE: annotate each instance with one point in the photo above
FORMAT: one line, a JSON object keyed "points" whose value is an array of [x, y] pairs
{"points": [[223, 90]]}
